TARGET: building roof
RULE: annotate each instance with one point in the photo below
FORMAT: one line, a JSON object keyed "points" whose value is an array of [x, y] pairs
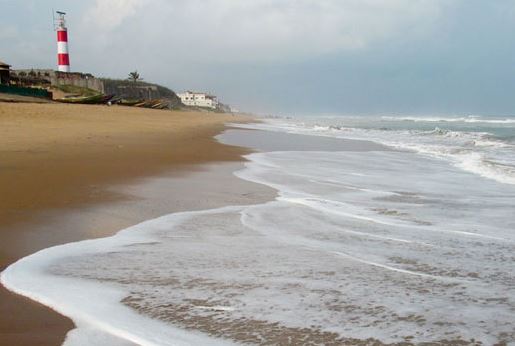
{"points": [[197, 93], [193, 92], [4, 66]]}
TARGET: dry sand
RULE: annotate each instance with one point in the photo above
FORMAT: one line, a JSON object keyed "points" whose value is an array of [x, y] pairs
{"points": [[61, 160]]}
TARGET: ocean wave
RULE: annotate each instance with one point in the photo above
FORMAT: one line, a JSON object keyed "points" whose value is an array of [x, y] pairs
{"points": [[469, 119], [486, 142], [466, 159], [478, 152], [449, 133], [477, 163], [468, 139]]}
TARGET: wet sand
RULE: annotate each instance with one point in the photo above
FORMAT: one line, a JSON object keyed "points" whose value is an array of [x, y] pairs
{"points": [[68, 172], [279, 141]]}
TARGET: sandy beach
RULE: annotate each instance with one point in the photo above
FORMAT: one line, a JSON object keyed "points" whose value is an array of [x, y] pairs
{"points": [[59, 164], [316, 222]]}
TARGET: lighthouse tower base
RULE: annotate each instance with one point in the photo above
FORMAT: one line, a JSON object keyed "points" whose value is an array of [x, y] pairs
{"points": [[63, 68]]}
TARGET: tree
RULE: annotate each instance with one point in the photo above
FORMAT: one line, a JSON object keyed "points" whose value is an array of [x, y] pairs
{"points": [[134, 76]]}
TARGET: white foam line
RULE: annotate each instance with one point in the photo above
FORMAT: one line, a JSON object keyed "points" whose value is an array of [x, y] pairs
{"points": [[180, 236], [310, 244], [384, 238], [350, 187], [365, 218], [215, 308], [305, 202], [470, 234], [403, 271], [80, 300], [443, 119], [241, 174], [13, 273]]}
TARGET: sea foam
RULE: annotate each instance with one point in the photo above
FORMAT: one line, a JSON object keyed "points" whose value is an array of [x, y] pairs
{"points": [[93, 305], [466, 147], [389, 245]]}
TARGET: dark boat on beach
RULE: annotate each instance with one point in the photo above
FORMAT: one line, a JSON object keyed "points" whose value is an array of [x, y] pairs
{"points": [[126, 102], [83, 99]]}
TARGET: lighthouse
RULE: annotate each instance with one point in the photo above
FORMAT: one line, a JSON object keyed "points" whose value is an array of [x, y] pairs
{"points": [[63, 58]]}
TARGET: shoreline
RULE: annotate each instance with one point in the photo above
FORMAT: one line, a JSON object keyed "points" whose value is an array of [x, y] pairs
{"points": [[219, 172], [79, 157], [202, 195], [231, 267]]}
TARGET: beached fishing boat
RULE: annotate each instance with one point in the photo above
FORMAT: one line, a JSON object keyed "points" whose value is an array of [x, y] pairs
{"points": [[140, 104], [126, 102], [160, 105], [147, 104], [83, 99], [155, 104]]}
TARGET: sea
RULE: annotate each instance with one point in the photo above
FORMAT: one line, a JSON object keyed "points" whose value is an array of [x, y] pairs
{"points": [[384, 230]]}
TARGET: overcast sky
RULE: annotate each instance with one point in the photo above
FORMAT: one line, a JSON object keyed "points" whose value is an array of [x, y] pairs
{"points": [[288, 56]]}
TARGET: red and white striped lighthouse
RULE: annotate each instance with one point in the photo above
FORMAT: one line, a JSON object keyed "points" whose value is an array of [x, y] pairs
{"points": [[63, 57]]}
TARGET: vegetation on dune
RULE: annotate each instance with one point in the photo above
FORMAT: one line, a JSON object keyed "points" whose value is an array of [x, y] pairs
{"points": [[77, 90]]}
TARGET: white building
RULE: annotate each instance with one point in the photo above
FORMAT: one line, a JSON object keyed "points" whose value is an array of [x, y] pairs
{"points": [[191, 98]]}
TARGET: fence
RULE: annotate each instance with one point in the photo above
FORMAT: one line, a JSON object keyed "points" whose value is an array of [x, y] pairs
{"points": [[10, 89]]}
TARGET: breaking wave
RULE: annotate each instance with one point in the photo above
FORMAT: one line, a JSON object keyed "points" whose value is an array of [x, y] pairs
{"points": [[469, 119], [483, 150]]}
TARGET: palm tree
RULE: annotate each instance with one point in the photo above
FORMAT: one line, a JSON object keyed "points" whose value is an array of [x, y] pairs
{"points": [[134, 76]]}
